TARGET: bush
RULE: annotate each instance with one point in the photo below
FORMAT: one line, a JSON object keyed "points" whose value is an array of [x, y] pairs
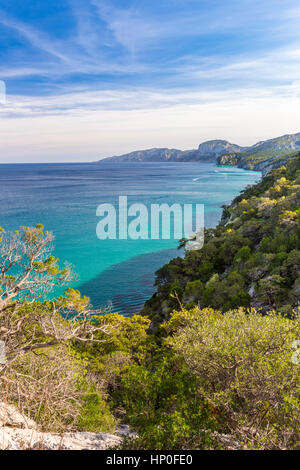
{"points": [[244, 366], [163, 405], [95, 414], [45, 386]]}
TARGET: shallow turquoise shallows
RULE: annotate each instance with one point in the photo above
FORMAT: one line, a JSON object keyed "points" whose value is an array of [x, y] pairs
{"points": [[64, 198]]}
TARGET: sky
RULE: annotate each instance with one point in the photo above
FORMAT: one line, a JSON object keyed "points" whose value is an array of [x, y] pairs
{"points": [[87, 79]]}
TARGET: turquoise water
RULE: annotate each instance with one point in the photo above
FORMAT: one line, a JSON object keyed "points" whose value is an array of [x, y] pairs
{"points": [[64, 197]]}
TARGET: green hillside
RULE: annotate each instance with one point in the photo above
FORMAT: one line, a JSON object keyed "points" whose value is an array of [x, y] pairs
{"points": [[252, 258], [257, 159]]}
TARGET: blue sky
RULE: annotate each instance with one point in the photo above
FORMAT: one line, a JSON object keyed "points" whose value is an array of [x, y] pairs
{"points": [[92, 78]]}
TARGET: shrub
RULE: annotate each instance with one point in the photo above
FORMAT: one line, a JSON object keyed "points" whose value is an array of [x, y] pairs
{"points": [[244, 365], [163, 405]]}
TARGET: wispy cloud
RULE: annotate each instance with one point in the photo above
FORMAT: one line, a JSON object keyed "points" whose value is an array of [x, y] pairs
{"points": [[93, 47], [279, 66], [139, 58], [82, 102], [91, 134], [136, 30]]}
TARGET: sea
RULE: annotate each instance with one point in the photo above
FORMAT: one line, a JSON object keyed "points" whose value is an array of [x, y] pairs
{"points": [[115, 274]]}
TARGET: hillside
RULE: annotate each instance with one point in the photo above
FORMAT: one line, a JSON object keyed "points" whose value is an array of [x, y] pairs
{"points": [[251, 259], [223, 152], [285, 142], [263, 156], [259, 160], [207, 151]]}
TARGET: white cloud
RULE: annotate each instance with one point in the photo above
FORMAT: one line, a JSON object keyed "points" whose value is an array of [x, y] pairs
{"points": [[84, 101], [93, 134], [279, 66], [240, 97]]}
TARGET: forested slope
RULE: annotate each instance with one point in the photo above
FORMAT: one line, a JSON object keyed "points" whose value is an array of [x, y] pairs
{"points": [[252, 258]]}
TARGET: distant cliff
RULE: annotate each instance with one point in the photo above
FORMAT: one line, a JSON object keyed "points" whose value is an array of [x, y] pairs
{"points": [[262, 155], [207, 152], [263, 161]]}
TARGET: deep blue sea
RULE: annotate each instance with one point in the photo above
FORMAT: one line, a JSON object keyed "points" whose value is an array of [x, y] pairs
{"points": [[64, 198]]}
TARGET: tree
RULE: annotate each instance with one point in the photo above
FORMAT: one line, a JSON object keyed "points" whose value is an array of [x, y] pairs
{"points": [[42, 372], [27, 269], [28, 272], [270, 289]]}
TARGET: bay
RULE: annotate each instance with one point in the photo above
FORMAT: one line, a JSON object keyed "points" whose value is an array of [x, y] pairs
{"points": [[65, 197]]}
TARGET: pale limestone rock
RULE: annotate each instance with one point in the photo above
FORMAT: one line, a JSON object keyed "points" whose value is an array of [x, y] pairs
{"points": [[7, 442], [31, 439], [10, 416], [18, 432]]}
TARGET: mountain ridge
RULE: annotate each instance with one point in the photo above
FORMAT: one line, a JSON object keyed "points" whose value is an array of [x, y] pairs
{"points": [[206, 151], [215, 150]]}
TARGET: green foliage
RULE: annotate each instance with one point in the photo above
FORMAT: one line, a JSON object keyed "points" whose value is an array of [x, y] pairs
{"points": [[163, 406], [250, 259], [255, 157], [95, 414], [243, 362], [150, 387], [209, 374], [27, 270]]}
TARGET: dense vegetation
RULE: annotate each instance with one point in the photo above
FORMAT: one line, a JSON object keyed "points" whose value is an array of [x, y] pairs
{"points": [[256, 159], [201, 368], [251, 259], [208, 374]]}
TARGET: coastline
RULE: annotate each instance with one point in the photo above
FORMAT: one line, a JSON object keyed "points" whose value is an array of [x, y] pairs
{"points": [[64, 198], [131, 299]]}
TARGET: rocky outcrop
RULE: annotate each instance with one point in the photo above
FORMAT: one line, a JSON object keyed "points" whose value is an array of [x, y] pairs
{"points": [[247, 163], [229, 159], [284, 142], [7, 442], [26, 439], [10, 416], [18, 432], [216, 148], [271, 164], [149, 155], [264, 156]]}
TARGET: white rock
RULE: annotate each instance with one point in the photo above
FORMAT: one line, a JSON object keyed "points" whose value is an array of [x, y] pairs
{"points": [[18, 432], [6, 442], [10, 416], [31, 439], [124, 430], [251, 291]]}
